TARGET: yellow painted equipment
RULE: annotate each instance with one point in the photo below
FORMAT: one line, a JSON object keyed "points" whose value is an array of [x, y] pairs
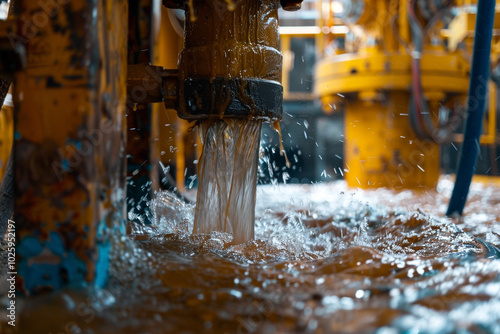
{"points": [[69, 137], [382, 149], [69, 125], [7, 131]]}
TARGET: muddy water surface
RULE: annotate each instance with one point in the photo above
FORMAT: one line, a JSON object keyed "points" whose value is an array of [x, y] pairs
{"points": [[325, 259]]}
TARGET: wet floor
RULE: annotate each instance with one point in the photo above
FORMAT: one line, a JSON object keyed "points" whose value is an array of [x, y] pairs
{"points": [[326, 259]]}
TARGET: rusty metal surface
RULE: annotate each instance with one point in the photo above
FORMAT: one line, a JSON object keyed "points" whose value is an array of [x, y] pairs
{"points": [[288, 5], [240, 98], [142, 121], [170, 82], [69, 140], [144, 83], [241, 48]]}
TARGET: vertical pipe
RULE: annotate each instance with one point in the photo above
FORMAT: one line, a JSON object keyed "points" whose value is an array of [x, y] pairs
{"points": [[492, 116], [378, 156], [5, 132], [69, 141], [285, 48], [230, 74]]}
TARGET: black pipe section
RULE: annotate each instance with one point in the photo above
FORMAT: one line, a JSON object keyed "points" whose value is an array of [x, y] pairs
{"points": [[476, 101]]}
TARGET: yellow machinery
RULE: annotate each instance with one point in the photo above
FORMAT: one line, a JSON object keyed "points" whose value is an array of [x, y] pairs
{"points": [[7, 131], [372, 77], [70, 128]]}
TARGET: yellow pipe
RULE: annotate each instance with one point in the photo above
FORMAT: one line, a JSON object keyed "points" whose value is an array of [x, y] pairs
{"points": [[180, 161], [492, 115], [169, 46]]}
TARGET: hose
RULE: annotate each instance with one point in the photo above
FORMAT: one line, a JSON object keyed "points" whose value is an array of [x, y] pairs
{"points": [[476, 102]]}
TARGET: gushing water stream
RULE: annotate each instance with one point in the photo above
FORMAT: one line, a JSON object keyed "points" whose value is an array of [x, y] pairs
{"points": [[228, 178]]}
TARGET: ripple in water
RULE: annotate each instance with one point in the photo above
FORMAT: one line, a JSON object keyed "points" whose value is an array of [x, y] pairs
{"points": [[325, 259]]}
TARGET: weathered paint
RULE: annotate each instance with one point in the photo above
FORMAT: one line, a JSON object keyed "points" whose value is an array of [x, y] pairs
{"points": [[70, 142], [6, 128], [4, 89]]}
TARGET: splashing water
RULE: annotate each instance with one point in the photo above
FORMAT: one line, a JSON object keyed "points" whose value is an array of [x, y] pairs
{"points": [[326, 258], [228, 178]]}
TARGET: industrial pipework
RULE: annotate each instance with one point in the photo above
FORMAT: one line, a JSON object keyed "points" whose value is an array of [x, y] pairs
{"points": [[232, 69], [402, 87]]}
